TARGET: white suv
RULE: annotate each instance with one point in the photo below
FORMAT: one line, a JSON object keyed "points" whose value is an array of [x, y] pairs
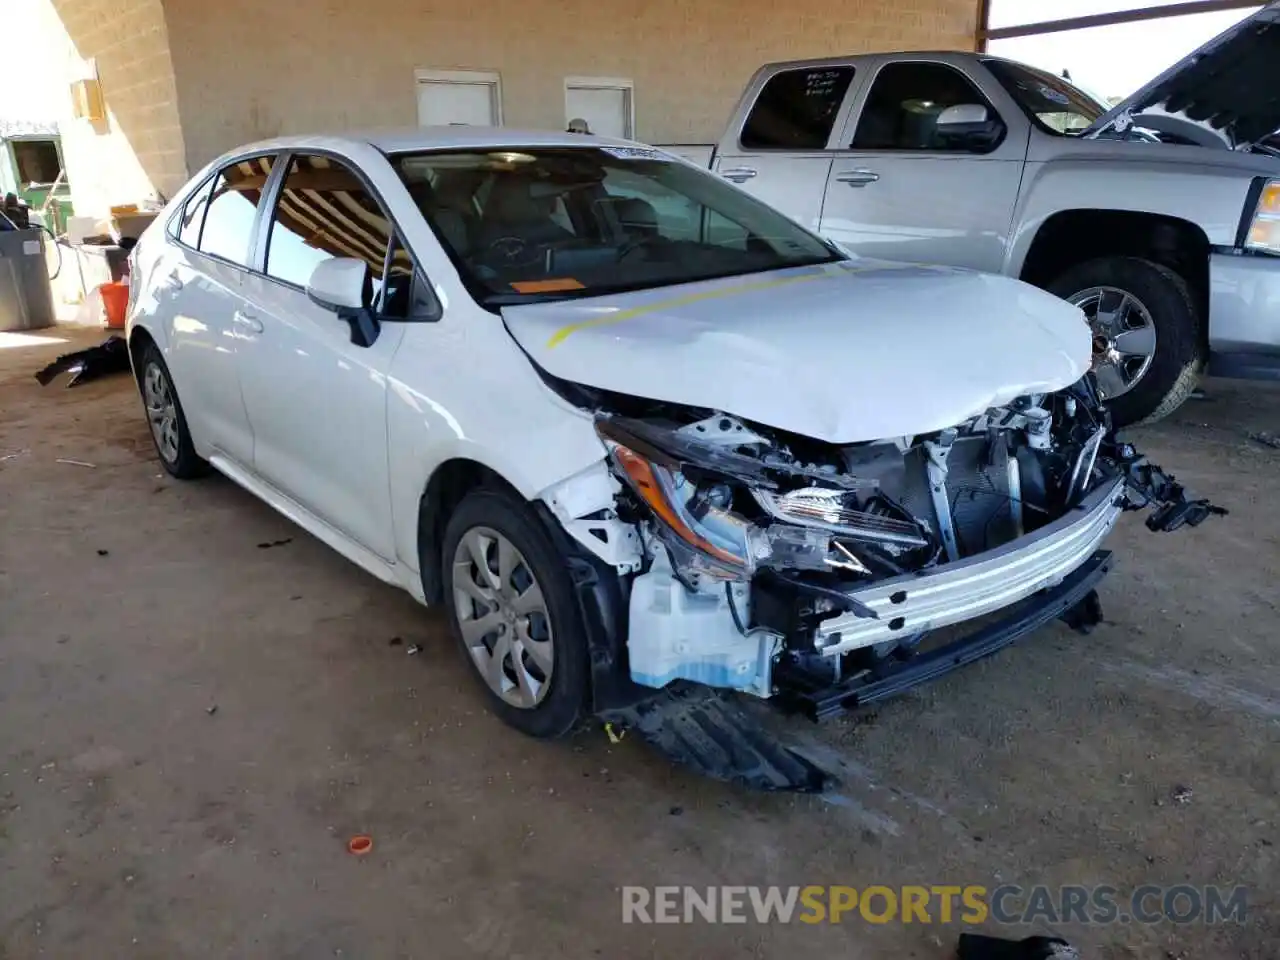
{"points": [[635, 429]]}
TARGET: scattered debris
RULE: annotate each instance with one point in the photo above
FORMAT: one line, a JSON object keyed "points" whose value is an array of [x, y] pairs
{"points": [[676, 811], [413, 650], [104, 553], [395, 642], [211, 709], [1181, 794], [77, 463], [976, 946], [13, 456], [268, 544], [360, 845], [615, 736], [1266, 439], [110, 356]]}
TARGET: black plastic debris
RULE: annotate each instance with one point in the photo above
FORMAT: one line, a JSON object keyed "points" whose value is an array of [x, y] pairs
{"points": [[711, 733], [976, 946], [110, 356], [268, 544]]}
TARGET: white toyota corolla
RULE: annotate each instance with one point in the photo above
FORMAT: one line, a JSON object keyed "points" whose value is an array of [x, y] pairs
{"points": [[640, 433]]}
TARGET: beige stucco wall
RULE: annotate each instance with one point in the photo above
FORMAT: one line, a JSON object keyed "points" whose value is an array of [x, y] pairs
{"points": [[247, 69], [138, 149]]}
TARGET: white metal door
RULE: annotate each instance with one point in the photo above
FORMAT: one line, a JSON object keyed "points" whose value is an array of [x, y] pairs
{"points": [[605, 105], [458, 97]]}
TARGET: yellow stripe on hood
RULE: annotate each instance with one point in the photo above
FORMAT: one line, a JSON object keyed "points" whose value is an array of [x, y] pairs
{"points": [[841, 268], [563, 333]]}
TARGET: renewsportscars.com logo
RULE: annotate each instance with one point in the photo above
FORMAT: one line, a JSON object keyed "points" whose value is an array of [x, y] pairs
{"points": [[1006, 904]]}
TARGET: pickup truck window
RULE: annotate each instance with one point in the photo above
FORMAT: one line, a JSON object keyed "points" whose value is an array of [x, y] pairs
{"points": [[796, 109], [902, 108], [1052, 104], [535, 224]]}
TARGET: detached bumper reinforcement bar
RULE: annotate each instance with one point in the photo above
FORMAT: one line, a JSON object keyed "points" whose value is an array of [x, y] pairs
{"points": [[897, 677]]}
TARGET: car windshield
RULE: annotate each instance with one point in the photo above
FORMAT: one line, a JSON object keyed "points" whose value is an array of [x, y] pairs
{"points": [[1053, 103], [532, 224]]}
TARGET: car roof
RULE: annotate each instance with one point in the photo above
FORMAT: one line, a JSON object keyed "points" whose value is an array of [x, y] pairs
{"points": [[458, 137]]}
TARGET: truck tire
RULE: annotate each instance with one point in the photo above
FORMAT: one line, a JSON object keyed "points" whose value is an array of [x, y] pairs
{"points": [[1148, 351]]}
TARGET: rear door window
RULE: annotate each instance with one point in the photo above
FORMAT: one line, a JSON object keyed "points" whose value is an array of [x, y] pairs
{"points": [[796, 109], [232, 208]]}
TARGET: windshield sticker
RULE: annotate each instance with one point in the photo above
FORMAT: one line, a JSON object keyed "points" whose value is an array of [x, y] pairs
{"points": [[555, 285], [635, 153], [1054, 96]]}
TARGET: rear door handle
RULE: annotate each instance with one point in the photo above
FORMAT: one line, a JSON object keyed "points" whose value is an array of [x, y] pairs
{"points": [[857, 178], [247, 320], [738, 174]]}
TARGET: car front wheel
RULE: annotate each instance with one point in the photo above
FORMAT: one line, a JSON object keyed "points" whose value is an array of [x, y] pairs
{"points": [[1147, 352], [513, 613]]}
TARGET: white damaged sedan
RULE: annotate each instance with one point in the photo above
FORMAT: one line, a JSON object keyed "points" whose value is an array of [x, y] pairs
{"points": [[643, 436]]}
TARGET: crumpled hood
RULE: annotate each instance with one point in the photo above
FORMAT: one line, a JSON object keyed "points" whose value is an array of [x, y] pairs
{"points": [[842, 352], [1226, 87]]}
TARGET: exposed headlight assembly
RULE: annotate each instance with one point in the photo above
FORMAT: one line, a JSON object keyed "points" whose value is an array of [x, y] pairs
{"points": [[1264, 230], [695, 515], [721, 515]]}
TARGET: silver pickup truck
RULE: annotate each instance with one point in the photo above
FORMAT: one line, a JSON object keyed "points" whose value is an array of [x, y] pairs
{"points": [[1160, 217]]}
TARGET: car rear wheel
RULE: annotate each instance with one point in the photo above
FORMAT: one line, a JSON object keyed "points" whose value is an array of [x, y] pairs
{"points": [[165, 418], [1147, 352], [513, 613]]}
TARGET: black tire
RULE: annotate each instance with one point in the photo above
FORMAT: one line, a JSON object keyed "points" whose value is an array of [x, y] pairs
{"points": [[1179, 355], [185, 463], [565, 701]]}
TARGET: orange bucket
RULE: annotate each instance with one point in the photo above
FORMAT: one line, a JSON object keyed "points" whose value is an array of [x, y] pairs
{"points": [[115, 303]]}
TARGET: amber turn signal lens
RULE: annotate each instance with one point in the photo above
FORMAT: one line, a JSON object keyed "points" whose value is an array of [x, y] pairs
{"points": [[643, 481]]}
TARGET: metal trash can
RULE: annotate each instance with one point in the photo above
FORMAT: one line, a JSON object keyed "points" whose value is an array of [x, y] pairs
{"points": [[26, 296]]}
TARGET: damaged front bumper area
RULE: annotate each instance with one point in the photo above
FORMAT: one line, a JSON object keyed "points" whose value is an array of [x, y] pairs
{"points": [[967, 589], [811, 574]]}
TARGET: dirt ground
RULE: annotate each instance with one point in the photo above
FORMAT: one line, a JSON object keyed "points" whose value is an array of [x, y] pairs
{"points": [[192, 726]]}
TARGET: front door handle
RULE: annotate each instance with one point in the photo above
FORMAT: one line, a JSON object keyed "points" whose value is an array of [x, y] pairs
{"points": [[738, 174], [857, 178], [247, 320]]}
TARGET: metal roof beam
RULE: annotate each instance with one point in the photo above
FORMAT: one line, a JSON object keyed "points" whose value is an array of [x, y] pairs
{"points": [[1109, 19]]}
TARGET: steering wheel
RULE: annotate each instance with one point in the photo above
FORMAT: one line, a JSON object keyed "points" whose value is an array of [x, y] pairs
{"points": [[512, 252]]}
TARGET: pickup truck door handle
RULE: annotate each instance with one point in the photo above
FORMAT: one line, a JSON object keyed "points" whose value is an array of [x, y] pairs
{"points": [[738, 174], [857, 178], [249, 321]]}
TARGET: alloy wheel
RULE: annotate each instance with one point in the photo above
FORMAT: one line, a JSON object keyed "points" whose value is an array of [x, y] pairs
{"points": [[162, 411], [503, 617], [1124, 338]]}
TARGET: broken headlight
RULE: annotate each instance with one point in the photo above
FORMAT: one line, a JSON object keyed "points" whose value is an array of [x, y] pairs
{"points": [[695, 514], [726, 519]]}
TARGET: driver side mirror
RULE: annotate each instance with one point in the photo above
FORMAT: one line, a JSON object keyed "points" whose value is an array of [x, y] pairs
{"points": [[342, 286], [971, 125]]}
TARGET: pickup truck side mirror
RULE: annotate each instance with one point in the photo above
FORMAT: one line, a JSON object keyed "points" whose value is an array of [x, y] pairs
{"points": [[971, 125], [342, 285]]}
